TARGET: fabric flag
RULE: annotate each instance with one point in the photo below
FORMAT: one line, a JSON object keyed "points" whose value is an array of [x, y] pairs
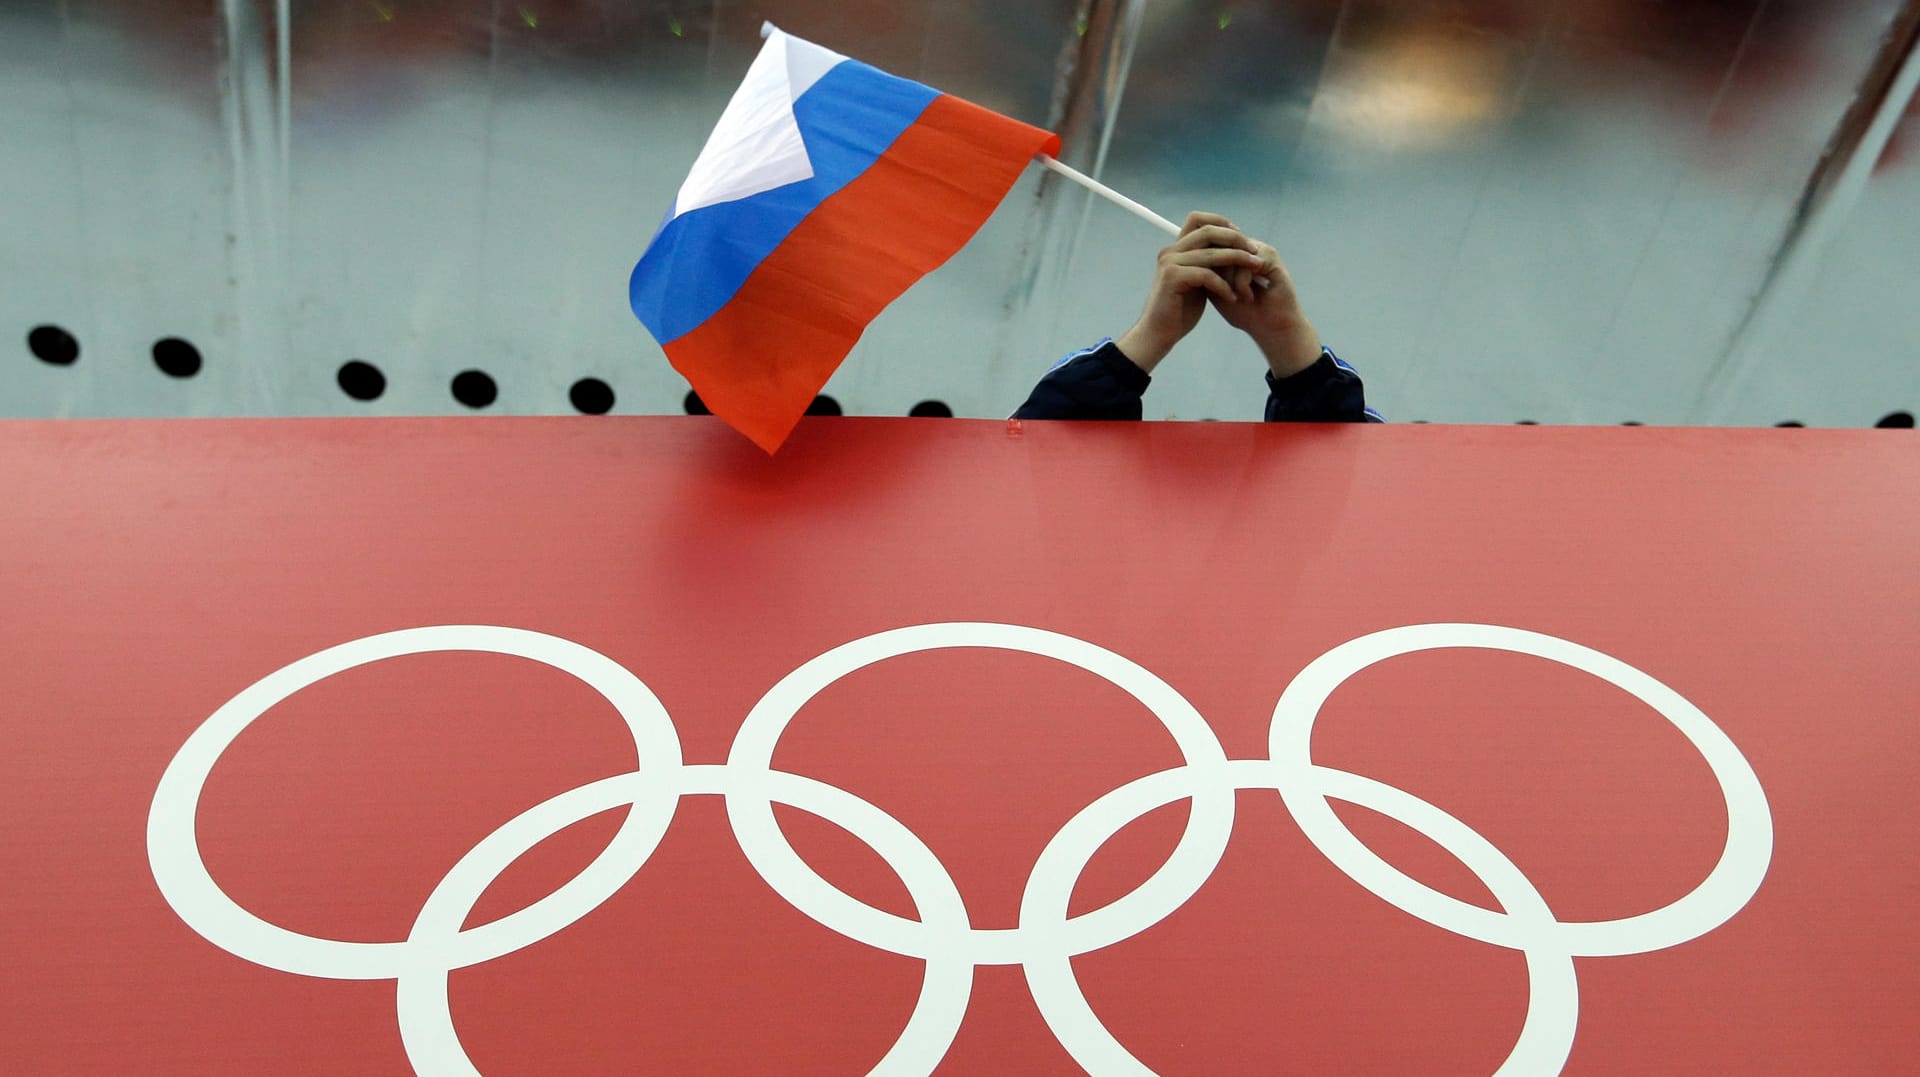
{"points": [[827, 189]]}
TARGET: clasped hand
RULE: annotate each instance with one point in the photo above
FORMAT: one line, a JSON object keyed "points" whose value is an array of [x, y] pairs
{"points": [[1214, 264]]}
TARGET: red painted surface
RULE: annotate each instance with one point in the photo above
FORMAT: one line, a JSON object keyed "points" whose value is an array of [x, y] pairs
{"points": [[150, 571]]}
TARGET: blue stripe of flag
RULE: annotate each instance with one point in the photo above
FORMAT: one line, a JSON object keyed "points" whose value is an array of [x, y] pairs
{"points": [[699, 260]]}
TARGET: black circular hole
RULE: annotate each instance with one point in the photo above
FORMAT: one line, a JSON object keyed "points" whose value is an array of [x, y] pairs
{"points": [[1526, 422], [1633, 422], [176, 358], [1898, 420], [474, 388], [824, 405], [931, 409], [591, 396], [694, 405], [52, 344], [1790, 423], [361, 380]]}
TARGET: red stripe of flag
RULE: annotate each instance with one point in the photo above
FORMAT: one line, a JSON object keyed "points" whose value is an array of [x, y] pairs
{"points": [[762, 358]]}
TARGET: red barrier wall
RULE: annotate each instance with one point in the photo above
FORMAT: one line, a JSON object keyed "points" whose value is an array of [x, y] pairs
{"points": [[245, 819]]}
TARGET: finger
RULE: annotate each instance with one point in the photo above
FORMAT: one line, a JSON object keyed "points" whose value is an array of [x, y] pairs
{"points": [[1214, 257], [1198, 220], [1213, 235], [1270, 265], [1269, 271], [1196, 278], [1242, 280]]}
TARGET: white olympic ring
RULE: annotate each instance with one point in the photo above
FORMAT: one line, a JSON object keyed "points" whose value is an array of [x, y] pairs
{"points": [[1046, 938]]}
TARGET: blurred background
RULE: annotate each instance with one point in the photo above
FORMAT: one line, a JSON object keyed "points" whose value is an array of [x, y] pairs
{"points": [[1557, 211]]}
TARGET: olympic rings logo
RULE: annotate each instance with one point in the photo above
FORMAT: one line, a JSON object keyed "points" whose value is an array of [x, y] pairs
{"points": [[1047, 938]]}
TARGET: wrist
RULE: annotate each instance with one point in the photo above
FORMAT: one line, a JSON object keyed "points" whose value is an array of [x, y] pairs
{"points": [[1143, 347], [1290, 349]]}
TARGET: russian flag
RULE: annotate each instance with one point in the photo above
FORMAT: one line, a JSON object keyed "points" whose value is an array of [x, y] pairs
{"points": [[826, 191]]}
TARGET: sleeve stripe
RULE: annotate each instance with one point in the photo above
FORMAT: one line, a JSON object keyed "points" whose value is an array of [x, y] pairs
{"points": [[1104, 341]]}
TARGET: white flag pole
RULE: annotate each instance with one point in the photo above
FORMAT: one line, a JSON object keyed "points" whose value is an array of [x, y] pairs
{"points": [[1110, 195], [1122, 201]]}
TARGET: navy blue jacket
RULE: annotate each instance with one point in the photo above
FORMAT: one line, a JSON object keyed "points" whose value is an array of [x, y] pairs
{"points": [[1102, 383]]}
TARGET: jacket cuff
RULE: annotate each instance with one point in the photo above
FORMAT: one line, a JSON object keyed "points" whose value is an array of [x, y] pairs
{"points": [[1130, 377], [1312, 377]]}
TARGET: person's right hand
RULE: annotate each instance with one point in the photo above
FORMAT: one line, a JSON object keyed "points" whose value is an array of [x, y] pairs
{"points": [[1201, 263]]}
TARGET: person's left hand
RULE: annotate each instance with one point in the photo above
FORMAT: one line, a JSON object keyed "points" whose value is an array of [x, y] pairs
{"points": [[1271, 314]]}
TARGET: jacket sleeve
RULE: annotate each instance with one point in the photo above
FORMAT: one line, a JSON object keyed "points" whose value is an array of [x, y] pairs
{"points": [[1329, 391], [1098, 383], [1102, 383]]}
